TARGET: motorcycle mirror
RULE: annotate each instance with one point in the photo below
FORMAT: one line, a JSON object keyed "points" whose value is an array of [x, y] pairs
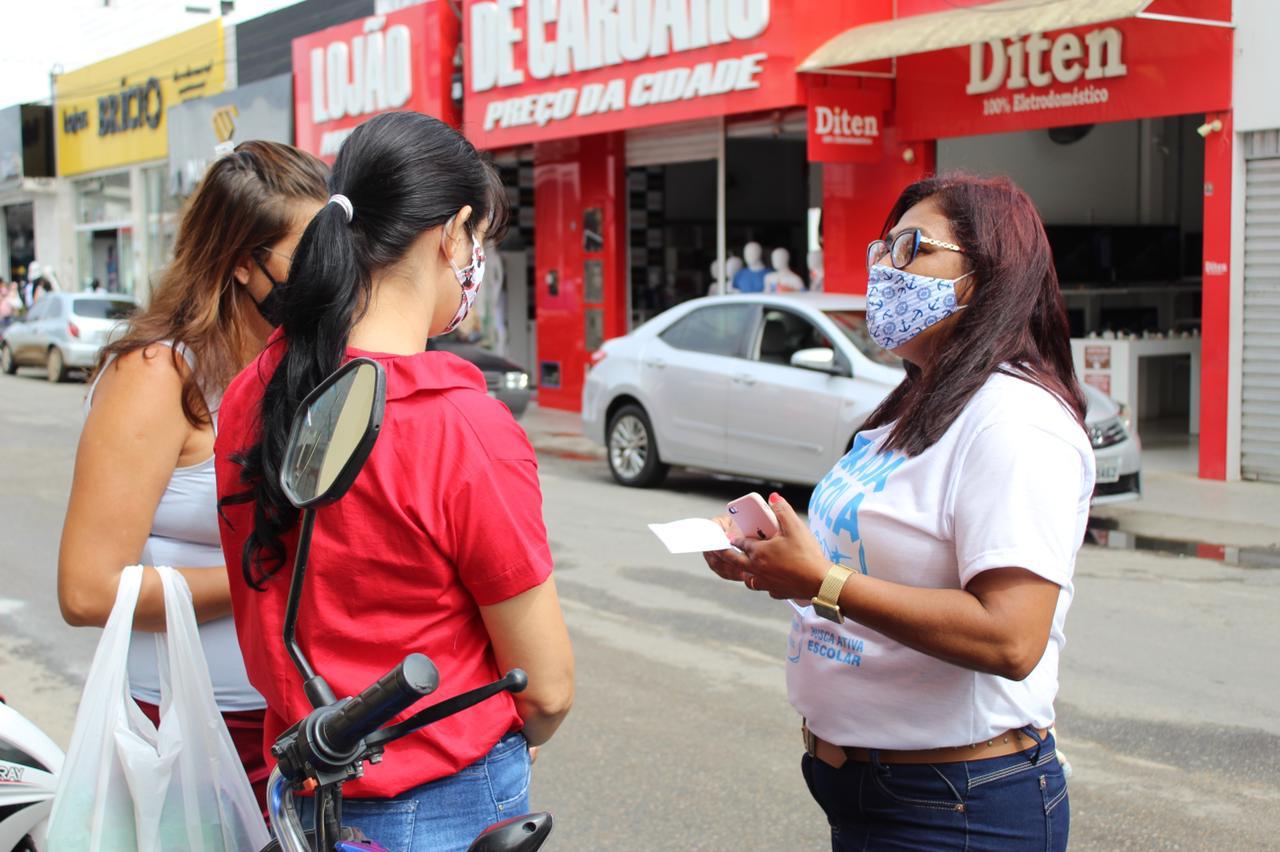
{"points": [[333, 433], [517, 834]]}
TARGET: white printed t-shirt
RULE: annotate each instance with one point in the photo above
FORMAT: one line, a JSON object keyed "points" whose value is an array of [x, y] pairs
{"points": [[1007, 485]]}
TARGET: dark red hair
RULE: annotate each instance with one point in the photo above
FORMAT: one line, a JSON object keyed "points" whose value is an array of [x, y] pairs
{"points": [[1015, 321]]}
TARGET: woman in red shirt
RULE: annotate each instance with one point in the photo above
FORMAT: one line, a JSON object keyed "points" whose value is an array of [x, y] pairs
{"points": [[439, 546]]}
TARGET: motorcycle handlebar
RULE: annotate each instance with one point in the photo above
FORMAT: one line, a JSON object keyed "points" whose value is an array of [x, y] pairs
{"points": [[379, 703], [513, 681]]}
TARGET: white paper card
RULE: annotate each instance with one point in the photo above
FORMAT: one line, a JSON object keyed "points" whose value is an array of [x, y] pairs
{"points": [[692, 535]]}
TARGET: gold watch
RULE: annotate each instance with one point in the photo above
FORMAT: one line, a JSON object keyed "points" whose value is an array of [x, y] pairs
{"points": [[827, 601]]}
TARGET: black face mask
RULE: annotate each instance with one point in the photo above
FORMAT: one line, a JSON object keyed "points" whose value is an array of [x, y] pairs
{"points": [[271, 305]]}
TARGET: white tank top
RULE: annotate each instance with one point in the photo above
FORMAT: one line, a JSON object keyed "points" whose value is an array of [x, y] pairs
{"points": [[184, 533]]}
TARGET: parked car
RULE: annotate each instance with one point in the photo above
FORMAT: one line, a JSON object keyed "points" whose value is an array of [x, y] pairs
{"points": [[1117, 449], [769, 387], [505, 380], [63, 332], [765, 386]]}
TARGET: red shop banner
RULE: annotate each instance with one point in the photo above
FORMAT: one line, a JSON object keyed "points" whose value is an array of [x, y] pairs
{"points": [[349, 73], [1112, 71], [845, 126], [549, 69]]}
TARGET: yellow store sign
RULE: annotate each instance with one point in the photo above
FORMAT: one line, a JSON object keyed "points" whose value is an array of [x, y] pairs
{"points": [[113, 113]]}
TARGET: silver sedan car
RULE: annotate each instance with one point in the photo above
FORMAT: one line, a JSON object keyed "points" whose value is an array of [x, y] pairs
{"points": [[63, 332], [770, 387]]}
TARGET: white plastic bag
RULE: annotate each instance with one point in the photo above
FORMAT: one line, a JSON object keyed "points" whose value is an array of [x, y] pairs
{"points": [[128, 786]]}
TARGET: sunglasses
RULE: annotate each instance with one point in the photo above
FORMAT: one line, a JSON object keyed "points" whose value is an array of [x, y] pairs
{"points": [[903, 248]]}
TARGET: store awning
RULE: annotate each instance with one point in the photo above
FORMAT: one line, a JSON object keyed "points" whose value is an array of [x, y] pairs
{"points": [[959, 27]]}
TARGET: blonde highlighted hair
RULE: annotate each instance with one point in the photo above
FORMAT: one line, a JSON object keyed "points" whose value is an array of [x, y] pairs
{"points": [[242, 206]]}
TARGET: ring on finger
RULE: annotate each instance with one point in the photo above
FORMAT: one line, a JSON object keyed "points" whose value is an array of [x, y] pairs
{"points": [[751, 582]]}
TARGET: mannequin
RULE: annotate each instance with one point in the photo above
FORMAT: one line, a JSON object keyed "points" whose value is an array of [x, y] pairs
{"points": [[717, 280], [751, 278], [720, 283], [817, 278], [782, 279], [732, 267]]}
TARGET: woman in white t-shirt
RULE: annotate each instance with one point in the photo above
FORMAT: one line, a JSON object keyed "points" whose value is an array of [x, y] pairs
{"points": [[932, 582]]}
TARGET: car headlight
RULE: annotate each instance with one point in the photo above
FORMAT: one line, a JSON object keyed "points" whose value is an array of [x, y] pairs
{"points": [[1108, 433], [515, 380]]}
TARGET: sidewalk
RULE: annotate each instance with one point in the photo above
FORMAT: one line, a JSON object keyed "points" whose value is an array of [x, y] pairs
{"points": [[1174, 505], [558, 433], [1181, 506]]}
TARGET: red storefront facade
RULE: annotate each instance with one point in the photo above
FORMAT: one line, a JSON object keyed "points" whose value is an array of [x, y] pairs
{"points": [[346, 74], [572, 79]]}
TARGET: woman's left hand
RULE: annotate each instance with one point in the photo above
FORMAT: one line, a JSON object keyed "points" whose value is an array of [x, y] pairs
{"points": [[789, 565]]}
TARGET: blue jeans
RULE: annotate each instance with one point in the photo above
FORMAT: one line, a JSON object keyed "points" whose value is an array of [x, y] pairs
{"points": [[448, 813], [1014, 802]]}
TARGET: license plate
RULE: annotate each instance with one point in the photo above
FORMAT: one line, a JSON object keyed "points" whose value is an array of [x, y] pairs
{"points": [[1108, 471]]}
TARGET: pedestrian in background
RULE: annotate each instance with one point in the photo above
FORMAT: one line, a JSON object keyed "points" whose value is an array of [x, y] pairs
{"points": [[146, 450], [10, 303], [932, 582]]}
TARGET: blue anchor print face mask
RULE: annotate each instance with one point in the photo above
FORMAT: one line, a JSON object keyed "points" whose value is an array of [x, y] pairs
{"points": [[902, 304]]}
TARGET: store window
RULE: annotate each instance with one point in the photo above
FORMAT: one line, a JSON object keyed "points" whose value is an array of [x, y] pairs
{"points": [[104, 200], [104, 232], [509, 327], [672, 213], [770, 191], [768, 198], [161, 217], [1123, 209]]}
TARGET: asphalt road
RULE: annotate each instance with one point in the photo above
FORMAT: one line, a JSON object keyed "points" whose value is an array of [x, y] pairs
{"points": [[681, 736]]}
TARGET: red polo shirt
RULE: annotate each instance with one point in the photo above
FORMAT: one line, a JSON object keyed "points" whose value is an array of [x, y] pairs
{"points": [[445, 517]]}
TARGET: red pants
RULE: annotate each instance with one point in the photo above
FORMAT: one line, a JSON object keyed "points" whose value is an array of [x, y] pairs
{"points": [[246, 728]]}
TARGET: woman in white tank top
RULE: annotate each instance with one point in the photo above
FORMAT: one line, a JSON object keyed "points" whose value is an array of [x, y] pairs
{"points": [[144, 488]]}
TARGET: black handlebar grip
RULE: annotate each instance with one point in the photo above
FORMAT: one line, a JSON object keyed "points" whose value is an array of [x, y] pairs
{"points": [[379, 703], [516, 680]]}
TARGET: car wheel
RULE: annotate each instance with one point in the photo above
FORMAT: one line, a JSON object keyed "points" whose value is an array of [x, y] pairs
{"points": [[56, 367], [633, 449], [7, 363]]}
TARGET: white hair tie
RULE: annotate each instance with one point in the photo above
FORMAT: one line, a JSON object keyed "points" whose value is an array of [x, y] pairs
{"points": [[345, 203]]}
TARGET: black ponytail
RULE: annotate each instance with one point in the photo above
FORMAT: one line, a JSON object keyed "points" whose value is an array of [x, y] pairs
{"points": [[404, 173]]}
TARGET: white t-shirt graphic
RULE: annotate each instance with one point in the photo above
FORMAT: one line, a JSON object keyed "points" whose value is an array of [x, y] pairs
{"points": [[1007, 485]]}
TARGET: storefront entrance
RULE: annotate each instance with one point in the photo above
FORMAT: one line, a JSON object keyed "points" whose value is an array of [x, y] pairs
{"points": [[1123, 207], [100, 254], [1260, 368], [19, 240], [674, 222]]}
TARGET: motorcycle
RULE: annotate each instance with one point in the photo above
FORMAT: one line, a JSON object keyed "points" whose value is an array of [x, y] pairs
{"points": [[332, 435], [29, 767]]}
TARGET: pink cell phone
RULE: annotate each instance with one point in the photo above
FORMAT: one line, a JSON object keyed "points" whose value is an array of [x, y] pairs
{"points": [[753, 517]]}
